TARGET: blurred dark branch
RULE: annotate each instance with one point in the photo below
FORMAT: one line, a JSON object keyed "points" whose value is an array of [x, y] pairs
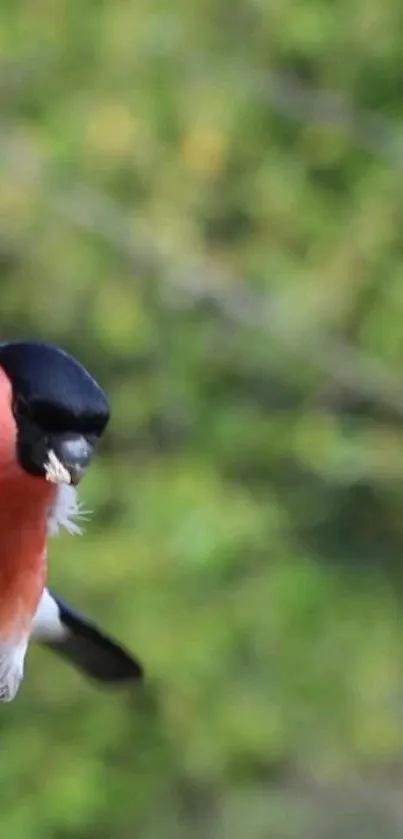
{"points": [[189, 283], [294, 98], [300, 102]]}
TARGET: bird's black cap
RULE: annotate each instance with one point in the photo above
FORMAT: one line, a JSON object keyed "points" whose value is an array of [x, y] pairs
{"points": [[54, 386], [57, 405]]}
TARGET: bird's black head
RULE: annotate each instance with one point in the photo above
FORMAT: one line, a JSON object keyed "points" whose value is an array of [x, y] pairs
{"points": [[59, 409]]}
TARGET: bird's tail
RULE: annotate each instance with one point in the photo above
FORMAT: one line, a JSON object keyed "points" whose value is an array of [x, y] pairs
{"points": [[81, 643]]}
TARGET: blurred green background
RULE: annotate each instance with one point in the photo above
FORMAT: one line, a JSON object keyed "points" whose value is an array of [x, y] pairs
{"points": [[203, 201]]}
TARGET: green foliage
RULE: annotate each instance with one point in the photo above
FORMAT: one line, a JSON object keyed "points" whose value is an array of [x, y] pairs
{"points": [[229, 273]]}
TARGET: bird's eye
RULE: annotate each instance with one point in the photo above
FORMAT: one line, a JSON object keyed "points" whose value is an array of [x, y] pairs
{"points": [[50, 418]]}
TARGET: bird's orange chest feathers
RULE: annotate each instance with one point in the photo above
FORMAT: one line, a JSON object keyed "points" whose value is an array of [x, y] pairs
{"points": [[25, 502]]}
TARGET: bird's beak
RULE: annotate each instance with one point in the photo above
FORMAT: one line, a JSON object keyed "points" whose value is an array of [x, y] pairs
{"points": [[68, 459]]}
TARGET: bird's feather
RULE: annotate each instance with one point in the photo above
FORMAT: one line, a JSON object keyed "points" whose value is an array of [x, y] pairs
{"points": [[66, 512], [12, 657]]}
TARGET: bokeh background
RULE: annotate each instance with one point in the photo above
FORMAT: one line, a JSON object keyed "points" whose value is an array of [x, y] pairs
{"points": [[204, 202]]}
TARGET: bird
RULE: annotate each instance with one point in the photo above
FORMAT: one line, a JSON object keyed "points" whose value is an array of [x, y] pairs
{"points": [[53, 414]]}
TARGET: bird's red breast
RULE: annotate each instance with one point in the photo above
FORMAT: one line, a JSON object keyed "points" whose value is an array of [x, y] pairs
{"points": [[25, 502]]}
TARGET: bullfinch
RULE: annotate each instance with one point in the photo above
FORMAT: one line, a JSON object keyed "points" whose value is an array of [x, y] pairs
{"points": [[52, 415]]}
